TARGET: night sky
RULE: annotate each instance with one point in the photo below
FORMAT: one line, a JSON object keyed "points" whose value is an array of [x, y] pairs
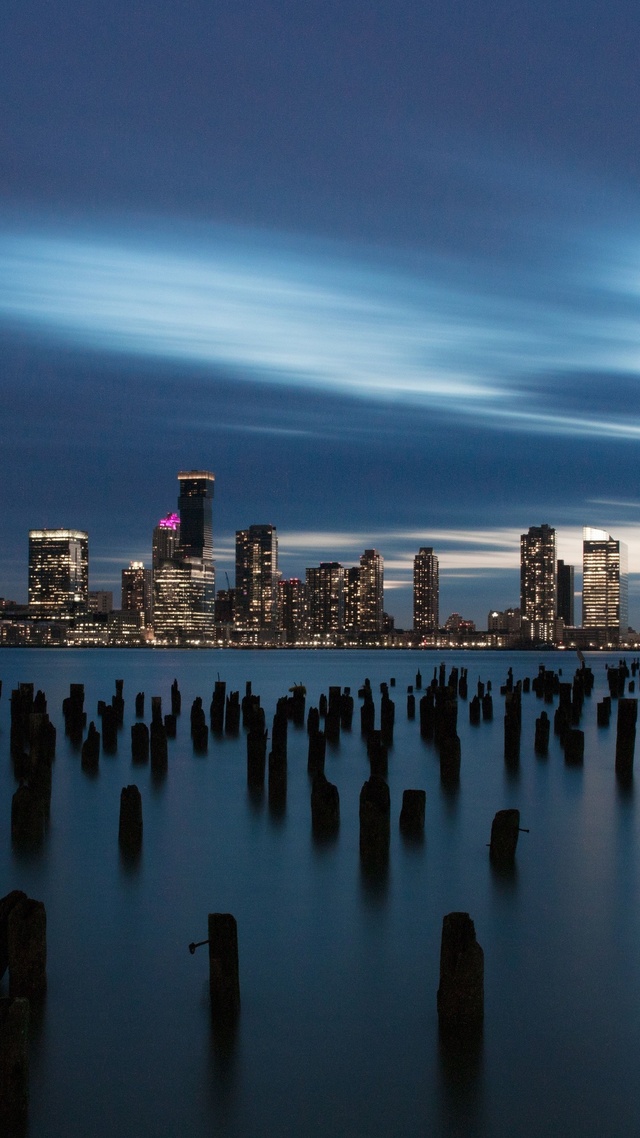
{"points": [[376, 264]]}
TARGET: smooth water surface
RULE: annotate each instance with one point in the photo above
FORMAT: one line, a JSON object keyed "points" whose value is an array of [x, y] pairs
{"points": [[338, 1031]]}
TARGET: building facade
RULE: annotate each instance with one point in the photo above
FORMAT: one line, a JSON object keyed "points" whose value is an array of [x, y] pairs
{"points": [[538, 583], [605, 583], [183, 570], [58, 571], [426, 591], [325, 598], [257, 578], [137, 590], [371, 592], [565, 608], [292, 609]]}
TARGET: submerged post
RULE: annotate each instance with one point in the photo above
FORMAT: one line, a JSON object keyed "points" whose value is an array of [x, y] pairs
{"points": [[224, 976], [461, 991]]}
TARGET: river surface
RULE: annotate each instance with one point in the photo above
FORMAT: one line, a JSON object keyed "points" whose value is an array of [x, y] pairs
{"points": [[338, 1032]]}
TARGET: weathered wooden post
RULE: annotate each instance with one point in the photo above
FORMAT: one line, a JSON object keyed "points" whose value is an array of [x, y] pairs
{"points": [[543, 727], [158, 747], [375, 814], [140, 705], [626, 736], [27, 948], [224, 972], [317, 753], [139, 742], [14, 1064], [574, 747], [27, 817], [130, 824], [176, 699], [504, 837], [6, 905], [90, 753], [412, 813], [325, 806], [461, 991], [256, 757]]}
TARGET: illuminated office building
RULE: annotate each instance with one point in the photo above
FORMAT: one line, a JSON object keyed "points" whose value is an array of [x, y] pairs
{"points": [[426, 591], [58, 571], [605, 582], [137, 590], [325, 598], [257, 578], [538, 583], [371, 592], [183, 571]]}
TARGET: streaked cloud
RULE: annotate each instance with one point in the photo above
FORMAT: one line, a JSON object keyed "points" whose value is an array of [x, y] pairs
{"points": [[334, 318]]}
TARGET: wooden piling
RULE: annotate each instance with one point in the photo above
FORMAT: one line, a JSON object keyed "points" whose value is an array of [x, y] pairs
{"points": [[224, 971]]}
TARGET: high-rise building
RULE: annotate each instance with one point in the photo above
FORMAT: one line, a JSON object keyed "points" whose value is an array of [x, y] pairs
{"points": [[257, 578], [605, 582], [58, 571], [352, 599], [371, 592], [137, 590], [426, 591], [100, 600], [292, 608], [325, 598], [196, 514], [183, 572], [565, 593], [538, 582], [166, 540]]}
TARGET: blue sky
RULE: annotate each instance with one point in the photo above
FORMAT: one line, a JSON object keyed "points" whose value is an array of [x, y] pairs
{"points": [[377, 266]]}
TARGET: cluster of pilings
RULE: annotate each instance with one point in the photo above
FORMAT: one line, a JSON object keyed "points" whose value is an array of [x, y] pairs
{"points": [[23, 950], [33, 748]]}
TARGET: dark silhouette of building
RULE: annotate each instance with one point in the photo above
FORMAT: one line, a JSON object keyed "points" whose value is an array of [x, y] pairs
{"points": [[538, 583], [225, 606], [325, 598], [565, 593], [426, 591], [257, 578], [58, 571], [605, 583]]}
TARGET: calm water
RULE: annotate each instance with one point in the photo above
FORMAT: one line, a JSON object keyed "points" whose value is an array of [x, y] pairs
{"points": [[338, 1030]]}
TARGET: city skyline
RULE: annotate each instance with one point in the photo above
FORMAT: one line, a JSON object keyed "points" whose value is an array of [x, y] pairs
{"points": [[386, 287], [257, 573]]}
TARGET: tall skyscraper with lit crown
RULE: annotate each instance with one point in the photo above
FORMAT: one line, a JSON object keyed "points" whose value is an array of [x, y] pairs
{"points": [[605, 582]]}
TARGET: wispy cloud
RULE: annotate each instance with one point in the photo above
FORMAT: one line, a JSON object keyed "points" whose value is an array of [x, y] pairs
{"points": [[310, 316]]}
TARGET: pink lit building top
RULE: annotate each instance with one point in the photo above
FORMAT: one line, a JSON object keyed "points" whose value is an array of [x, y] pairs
{"points": [[172, 521]]}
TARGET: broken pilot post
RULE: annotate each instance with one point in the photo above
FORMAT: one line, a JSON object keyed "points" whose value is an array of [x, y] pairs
{"points": [[325, 806], [504, 837], [626, 737], [224, 974], [130, 825], [375, 812], [461, 991], [27, 948], [412, 813], [14, 1064]]}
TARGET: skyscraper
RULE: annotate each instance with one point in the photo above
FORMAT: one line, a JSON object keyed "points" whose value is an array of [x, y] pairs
{"points": [[426, 591], [538, 582], [605, 582], [136, 590], [292, 608], [58, 571], [257, 578], [325, 598], [196, 514], [183, 572], [352, 599], [565, 594], [371, 592]]}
